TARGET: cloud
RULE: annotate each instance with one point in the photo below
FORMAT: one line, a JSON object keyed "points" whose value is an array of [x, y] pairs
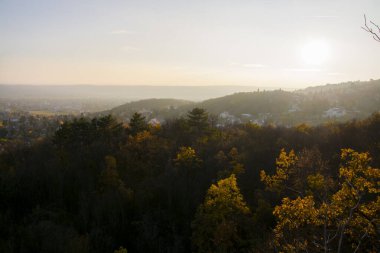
{"points": [[122, 32]]}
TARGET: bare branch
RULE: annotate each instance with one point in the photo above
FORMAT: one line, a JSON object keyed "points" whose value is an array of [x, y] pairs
{"points": [[360, 241], [370, 29], [334, 236], [378, 27], [348, 221], [294, 190]]}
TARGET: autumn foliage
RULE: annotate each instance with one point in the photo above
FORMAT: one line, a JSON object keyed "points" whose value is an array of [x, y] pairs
{"points": [[188, 186], [349, 212]]}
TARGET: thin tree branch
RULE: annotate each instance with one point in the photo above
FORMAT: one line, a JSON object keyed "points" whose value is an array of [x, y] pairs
{"points": [[367, 28], [294, 190], [360, 241], [334, 236], [378, 27], [345, 224]]}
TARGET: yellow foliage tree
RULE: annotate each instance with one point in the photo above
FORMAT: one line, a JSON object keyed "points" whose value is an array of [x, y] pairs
{"points": [[121, 250], [221, 223], [349, 216], [285, 168], [187, 157]]}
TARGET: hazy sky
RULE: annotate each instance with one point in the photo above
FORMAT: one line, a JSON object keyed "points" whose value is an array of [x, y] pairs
{"points": [[281, 43]]}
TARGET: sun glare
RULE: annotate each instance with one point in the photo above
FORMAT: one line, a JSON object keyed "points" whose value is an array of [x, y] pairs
{"points": [[315, 52]]}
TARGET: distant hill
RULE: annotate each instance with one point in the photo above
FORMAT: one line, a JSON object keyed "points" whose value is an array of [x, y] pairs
{"points": [[153, 104], [313, 105], [127, 93], [251, 102], [347, 87], [357, 96], [163, 108]]}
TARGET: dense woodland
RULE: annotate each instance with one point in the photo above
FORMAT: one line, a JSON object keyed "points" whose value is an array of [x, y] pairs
{"points": [[186, 186]]}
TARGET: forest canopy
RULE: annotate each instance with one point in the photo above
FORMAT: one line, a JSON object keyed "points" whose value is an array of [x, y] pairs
{"points": [[188, 186]]}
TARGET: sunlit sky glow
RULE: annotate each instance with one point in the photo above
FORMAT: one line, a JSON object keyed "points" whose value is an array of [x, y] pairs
{"points": [[266, 43]]}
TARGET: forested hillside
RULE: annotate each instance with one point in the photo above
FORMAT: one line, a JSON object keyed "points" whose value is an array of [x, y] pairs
{"points": [[163, 107], [314, 105], [187, 186]]}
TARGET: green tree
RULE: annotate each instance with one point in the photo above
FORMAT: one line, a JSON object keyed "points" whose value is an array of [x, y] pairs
{"points": [[83, 132], [109, 179], [222, 222], [198, 120], [229, 164], [3, 131], [137, 123]]}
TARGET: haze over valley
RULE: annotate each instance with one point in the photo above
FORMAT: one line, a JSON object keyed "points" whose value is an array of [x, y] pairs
{"points": [[203, 126]]}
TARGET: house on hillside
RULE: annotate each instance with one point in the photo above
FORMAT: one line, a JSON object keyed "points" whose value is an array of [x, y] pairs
{"points": [[154, 122], [228, 119], [334, 112]]}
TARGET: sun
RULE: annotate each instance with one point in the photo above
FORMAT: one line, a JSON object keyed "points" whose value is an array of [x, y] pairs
{"points": [[315, 52]]}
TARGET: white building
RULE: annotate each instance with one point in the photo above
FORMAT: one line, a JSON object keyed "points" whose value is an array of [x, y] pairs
{"points": [[334, 112]]}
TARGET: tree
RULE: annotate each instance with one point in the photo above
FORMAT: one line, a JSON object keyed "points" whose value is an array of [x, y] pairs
{"points": [[138, 123], [372, 28], [83, 132], [109, 179], [121, 250], [348, 217], [187, 165], [357, 203], [285, 168], [3, 131], [222, 222], [198, 120], [229, 164], [144, 156], [187, 159]]}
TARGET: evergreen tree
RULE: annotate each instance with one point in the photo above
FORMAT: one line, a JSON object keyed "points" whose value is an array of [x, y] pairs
{"points": [[198, 120], [137, 123]]}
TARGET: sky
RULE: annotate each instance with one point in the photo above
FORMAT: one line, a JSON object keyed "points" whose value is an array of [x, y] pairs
{"points": [[263, 43]]}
